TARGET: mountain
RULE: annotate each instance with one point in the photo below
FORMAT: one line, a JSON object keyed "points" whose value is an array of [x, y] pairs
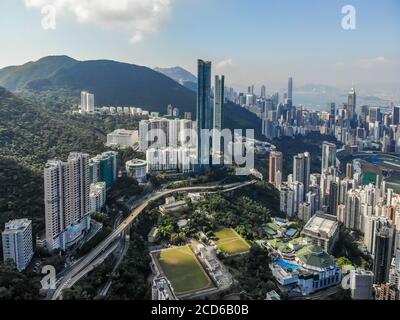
{"points": [[178, 74], [17, 77], [113, 83]]}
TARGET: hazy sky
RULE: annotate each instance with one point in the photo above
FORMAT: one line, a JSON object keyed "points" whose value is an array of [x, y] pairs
{"points": [[251, 41]]}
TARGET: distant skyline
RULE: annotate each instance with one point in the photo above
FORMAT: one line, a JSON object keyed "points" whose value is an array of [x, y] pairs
{"points": [[251, 42]]}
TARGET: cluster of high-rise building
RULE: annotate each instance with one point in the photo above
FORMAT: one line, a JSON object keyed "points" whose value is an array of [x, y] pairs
{"points": [[372, 128], [174, 144], [73, 190], [373, 210]]}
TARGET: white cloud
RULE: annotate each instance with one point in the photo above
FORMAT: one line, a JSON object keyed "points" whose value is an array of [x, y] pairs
{"points": [[137, 16], [225, 64], [371, 62], [366, 63]]}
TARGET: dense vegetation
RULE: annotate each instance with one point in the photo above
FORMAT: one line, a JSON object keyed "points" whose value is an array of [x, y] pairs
{"points": [[31, 134], [246, 210], [254, 278], [17, 286]]}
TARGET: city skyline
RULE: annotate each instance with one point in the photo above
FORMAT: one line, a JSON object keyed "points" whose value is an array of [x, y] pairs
{"points": [[266, 166]]}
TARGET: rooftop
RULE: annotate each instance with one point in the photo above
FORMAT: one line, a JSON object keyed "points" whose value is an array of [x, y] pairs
{"points": [[315, 256], [15, 225], [321, 225], [136, 162]]}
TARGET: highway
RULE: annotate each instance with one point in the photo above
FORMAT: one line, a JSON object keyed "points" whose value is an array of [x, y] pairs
{"points": [[86, 264]]}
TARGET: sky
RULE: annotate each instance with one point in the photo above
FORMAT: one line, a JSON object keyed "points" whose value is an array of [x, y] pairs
{"points": [[250, 41]]}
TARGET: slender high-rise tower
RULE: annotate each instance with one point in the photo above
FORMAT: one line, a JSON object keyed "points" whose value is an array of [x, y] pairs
{"points": [[219, 100], [204, 111], [383, 253], [263, 92], [396, 115], [351, 104], [328, 156], [275, 167], [301, 170], [290, 92]]}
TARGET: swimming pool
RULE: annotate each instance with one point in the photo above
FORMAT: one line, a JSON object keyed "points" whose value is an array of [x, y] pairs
{"points": [[286, 265], [374, 160]]}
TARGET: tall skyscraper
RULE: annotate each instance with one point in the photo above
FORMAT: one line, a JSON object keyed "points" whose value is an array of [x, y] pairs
{"points": [[204, 111], [383, 253], [67, 205], [275, 167], [17, 242], [396, 115], [219, 100], [290, 91], [332, 109], [263, 92], [301, 170], [333, 199], [351, 104], [328, 156]]}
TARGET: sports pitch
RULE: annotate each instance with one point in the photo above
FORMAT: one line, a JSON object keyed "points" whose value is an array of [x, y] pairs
{"points": [[230, 242], [185, 272]]}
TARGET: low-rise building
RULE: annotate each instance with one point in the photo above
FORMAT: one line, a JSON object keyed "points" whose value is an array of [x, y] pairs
{"points": [[194, 197], [137, 169], [311, 270], [173, 207], [320, 269], [162, 290], [122, 138], [153, 234], [273, 295]]}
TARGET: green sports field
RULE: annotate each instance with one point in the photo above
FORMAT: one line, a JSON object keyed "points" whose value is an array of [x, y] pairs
{"points": [[230, 242], [182, 268]]}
